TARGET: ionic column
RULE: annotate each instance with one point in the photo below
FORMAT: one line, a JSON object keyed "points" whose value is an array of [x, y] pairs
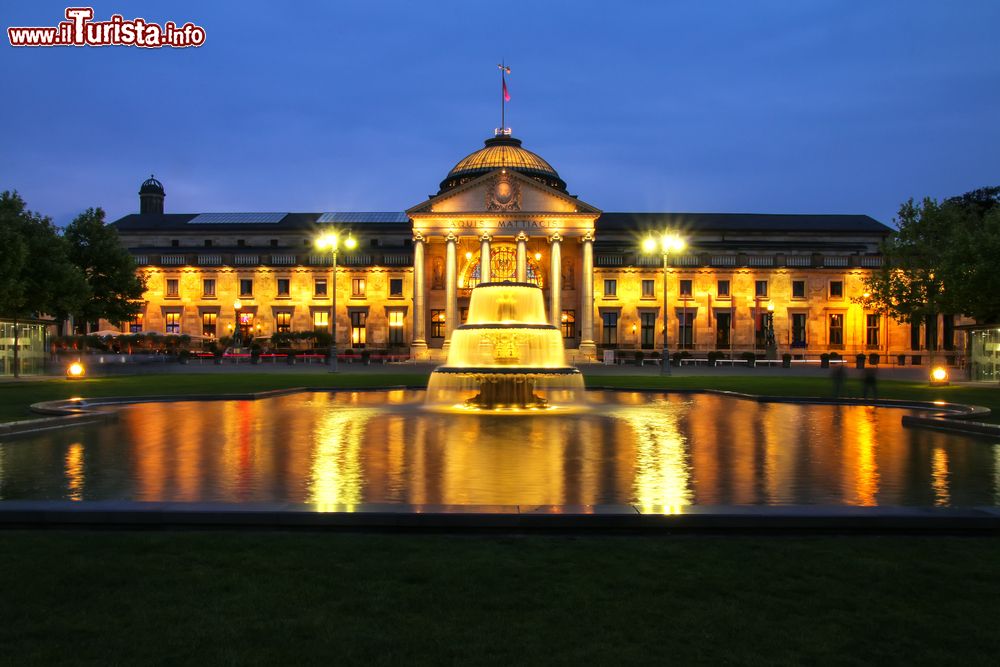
{"points": [[419, 344], [484, 258], [555, 279], [587, 346], [522, 258], [451, 287]]}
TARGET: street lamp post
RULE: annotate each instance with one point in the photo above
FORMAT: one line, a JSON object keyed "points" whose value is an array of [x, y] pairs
{"points": [[331, 243], [666, 244], [237, 306]]}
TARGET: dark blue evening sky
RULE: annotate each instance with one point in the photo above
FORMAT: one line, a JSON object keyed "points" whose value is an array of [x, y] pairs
{"points": [[780, 107]]}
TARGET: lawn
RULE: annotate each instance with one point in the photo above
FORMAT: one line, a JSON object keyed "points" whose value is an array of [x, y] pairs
{"points": [[16, 397], [280, 598]]}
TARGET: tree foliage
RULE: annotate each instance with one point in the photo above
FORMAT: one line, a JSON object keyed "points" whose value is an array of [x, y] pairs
{"points": [[109, 269], [37, 274], [942, 259]]}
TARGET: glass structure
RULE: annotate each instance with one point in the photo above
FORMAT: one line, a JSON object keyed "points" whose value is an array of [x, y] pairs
{"points": [[31, 346], [984, 357]]}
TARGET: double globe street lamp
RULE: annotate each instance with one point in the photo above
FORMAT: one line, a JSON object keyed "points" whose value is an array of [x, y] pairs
{"points": [[331, 243], [667, 243]]}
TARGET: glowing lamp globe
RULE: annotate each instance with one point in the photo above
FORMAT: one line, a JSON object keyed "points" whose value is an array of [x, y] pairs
{"points": [[939, 376]]}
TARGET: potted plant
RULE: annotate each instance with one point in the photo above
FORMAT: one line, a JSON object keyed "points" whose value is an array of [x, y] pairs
{"points": [[874, 358], [255, 353], [676, 357], [750, 358], [901, 359], [824, 360], [786, 360], [859, 361], [366, 356]]}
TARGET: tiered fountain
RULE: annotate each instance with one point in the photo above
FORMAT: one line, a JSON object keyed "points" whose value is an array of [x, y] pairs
{"points": [[506, 357]]}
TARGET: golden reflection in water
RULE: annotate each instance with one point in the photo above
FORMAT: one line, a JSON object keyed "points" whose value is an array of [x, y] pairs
{"points": [[74, 471], [336, 476], [662, 466], [866, 465], [939, 477]]}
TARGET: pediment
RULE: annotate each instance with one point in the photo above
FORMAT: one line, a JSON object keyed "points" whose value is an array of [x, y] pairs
{"points": [[503, 191]]}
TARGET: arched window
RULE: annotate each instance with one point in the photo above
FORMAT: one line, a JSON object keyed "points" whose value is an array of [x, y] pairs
{"points": [[503, 266]]}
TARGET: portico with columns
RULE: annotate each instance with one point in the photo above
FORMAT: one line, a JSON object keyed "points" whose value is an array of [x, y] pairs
{"points": [[502, 224]]}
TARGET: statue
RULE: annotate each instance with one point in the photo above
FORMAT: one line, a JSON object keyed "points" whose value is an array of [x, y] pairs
{"points": [[437, 274]]}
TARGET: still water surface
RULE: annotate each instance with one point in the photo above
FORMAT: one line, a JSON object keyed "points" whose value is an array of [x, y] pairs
{"points": [[659, 451]]}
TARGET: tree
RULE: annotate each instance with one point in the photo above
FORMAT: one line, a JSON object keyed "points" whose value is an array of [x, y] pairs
{"points": [[38, 277], [909, 286], [109, 269], [941, 259]]}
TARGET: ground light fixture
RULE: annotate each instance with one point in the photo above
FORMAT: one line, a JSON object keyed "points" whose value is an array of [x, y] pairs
{"points": [[75, 371], [666, 243], [939, 377]]}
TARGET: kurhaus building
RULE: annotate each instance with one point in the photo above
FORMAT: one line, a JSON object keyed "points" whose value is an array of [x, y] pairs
{"points": [[504, 213]]}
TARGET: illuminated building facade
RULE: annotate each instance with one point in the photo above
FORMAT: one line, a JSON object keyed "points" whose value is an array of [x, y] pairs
{"points": [[406, 285]]}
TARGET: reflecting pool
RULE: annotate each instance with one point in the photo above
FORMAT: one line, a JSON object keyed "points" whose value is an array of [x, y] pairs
{"points": [[662, 452]]}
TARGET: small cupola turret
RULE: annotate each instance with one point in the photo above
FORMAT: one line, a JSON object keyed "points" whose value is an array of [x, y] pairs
{"points": [[151, 195]]}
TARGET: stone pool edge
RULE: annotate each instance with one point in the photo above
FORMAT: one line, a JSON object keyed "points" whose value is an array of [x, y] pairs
{"points": [[956, 417], [792, 519]]}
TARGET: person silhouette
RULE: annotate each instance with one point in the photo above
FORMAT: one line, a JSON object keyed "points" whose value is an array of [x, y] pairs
{"points": [[839, 376]]}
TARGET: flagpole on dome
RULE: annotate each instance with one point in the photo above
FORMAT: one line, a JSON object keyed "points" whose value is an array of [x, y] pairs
{"points": [[504, 98]]}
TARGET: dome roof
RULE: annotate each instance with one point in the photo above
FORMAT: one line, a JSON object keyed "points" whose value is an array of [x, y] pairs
{"points": [[502, 152], [151, 186]]}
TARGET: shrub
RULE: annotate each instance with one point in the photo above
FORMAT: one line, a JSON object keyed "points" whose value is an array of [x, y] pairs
{"points": [[677, 356], [639, 356], [749, 357], [834, 356], [874, 358], [786, 360]]}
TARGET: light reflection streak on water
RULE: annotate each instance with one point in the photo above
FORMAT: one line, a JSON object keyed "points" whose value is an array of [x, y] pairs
{"points": [[662, 465], [336, 476], [74, 471], [939, 475], [866, 465]]}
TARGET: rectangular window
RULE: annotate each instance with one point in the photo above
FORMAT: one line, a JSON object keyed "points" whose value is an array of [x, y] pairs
{"points": [[208, 324], [357, 287], [135, 325], [648, 289], [437, 323], [359, 330], [395, 288], [173, 323], [321, 320], [208, 287], [246, 286], [949, 332], [685, 289], [283, 322], [396, 327], [798, 289], [610, 288], [836, 289], [173, 288], [722, 288], [274, 243], [647, 334], [760, 322], [319, 287], [930, 332], [798, 329], [871, 330], [685, 330], [568, 323], [836, 329], [208, 243], [760, 289], [609, 332], [723, 330], [915, 335], [284, 286]]}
